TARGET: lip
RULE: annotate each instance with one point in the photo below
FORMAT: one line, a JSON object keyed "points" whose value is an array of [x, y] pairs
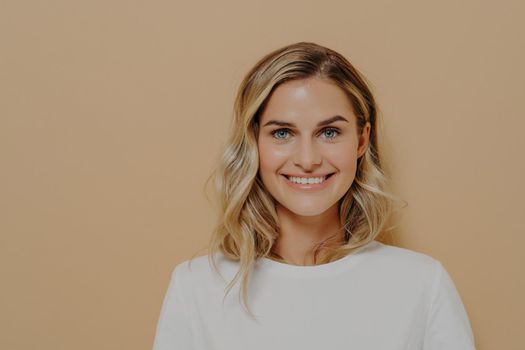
{"points": [[307, 176], [308, 187]]}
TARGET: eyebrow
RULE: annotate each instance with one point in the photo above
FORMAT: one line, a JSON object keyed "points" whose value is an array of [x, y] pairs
{"points": [[321, 123]]}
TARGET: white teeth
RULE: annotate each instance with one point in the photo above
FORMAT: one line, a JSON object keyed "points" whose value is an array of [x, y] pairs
{"points": [[304, 180]]}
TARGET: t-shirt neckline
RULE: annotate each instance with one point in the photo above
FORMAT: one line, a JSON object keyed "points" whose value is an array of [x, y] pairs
{"points": [[306, 271]]}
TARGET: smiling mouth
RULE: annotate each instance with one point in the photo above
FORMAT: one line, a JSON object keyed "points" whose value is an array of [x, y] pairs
{"points": [[326, 177], [311, 181]]}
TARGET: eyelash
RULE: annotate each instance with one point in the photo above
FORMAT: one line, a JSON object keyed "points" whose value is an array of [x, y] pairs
{"points": [[288, 130]]}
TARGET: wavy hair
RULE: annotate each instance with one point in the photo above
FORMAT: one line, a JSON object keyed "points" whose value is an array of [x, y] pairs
{"points": [[247, 226]]}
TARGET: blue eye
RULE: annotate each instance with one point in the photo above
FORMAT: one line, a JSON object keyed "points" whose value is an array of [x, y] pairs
{"points": [[331, 133], [279, 132]]}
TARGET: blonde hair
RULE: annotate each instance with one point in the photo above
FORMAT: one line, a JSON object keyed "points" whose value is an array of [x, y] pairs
{"points": [[247, 225]]}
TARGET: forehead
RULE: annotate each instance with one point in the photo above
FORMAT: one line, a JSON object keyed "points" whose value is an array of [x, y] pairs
{"points": [[311, 98]]}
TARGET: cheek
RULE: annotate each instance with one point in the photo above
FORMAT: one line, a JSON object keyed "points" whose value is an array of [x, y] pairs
{"points": [[343, 156], [271, 158]]}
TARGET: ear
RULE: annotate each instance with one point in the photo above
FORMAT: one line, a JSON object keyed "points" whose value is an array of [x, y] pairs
{"points": [[364, 139]]}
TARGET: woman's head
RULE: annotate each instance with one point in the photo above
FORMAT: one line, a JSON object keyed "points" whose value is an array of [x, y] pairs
{"points": [[303, 84], [319, 71], [309, 144]]}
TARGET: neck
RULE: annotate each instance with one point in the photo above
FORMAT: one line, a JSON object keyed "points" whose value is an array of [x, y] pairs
{"points": [[299, 235]]}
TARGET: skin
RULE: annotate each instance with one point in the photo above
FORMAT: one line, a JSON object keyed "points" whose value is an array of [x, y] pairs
{"points": [[307, 217]]}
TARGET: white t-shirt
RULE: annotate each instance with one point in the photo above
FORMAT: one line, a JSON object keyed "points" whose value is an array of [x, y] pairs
{"points": [[377, 298]]}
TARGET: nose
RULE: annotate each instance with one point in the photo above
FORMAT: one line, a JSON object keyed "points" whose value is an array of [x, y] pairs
{"points": [[307, 155]]}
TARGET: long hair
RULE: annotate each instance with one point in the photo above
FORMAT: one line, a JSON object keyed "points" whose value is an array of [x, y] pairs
{"points": [[247, 226]]}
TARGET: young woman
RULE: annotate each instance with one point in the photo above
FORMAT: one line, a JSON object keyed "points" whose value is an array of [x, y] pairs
{"points": [[302, 194]]}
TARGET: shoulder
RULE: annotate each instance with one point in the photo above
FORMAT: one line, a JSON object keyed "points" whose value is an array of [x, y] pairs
{"points": [[402, 261], [202, 272], [405, 273]]}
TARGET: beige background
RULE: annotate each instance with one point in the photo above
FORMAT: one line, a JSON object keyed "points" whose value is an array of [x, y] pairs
{"points": [[111, 114]]}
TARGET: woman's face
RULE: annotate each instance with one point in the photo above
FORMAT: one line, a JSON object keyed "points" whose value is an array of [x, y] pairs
{"points": [[309, 145]]}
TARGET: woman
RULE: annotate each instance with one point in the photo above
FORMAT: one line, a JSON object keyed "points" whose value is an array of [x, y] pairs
{"points": [[302, 196]]}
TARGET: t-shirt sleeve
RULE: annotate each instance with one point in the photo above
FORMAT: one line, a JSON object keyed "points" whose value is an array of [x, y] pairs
{"points": [[173, 327], [448, 326]]}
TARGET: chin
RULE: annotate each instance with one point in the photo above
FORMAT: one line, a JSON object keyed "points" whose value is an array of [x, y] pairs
{"points": [[308, 211]]}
